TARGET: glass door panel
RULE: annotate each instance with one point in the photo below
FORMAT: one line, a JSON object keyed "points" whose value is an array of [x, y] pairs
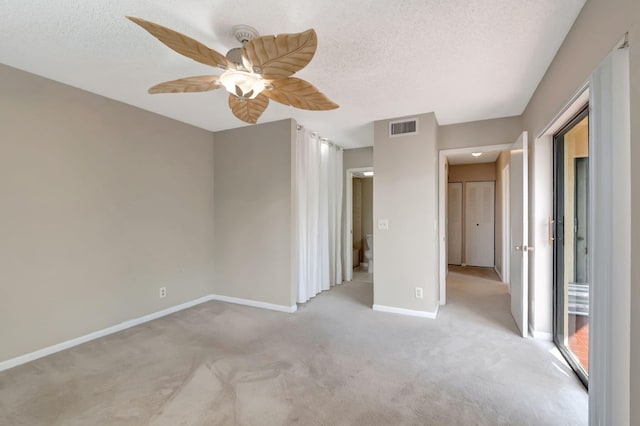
{"points": [[571, 252]]}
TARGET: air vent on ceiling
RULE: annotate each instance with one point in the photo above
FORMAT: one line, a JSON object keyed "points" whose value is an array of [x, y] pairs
{"points": [[404, 127]]}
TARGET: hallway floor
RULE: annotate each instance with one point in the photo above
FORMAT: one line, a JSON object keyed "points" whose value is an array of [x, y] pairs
{"points": [[334, 362]]}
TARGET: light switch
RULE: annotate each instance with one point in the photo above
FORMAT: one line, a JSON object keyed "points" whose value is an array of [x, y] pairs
{"points": [[383, 224]]}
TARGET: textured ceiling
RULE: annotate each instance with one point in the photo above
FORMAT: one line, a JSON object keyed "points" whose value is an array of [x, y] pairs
{"points": [[464, 60]]}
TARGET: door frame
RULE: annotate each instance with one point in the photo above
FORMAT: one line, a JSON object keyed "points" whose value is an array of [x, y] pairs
{"points": [[348, 223], [521, 246], [558, 260], [461, 218], [506, 225], [442, 208]]}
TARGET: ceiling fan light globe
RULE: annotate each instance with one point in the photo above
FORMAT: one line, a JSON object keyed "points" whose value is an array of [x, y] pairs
{"points": [[251, 85], [246, 63]]}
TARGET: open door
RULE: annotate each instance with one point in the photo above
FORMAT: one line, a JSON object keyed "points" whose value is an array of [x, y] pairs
{"points": [[519, 263]]}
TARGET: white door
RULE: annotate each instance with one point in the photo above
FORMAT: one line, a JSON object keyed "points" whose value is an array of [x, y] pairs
{"points": [[519, 245], [479, 224], [454, 224]]}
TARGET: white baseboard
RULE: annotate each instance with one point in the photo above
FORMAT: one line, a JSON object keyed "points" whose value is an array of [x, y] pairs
{"points": [[495, 268], [256, 304], [22, 359], [411, 312], [540, 335], [32, 356]]}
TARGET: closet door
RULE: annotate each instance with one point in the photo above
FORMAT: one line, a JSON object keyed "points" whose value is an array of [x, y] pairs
{"points": [[479, 223]]}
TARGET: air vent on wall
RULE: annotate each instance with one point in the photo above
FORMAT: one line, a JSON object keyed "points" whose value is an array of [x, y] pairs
{"points": [[404, 127]]}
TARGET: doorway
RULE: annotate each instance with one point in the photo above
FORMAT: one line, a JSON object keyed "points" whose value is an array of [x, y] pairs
{"points": [[477, 168], [571, 251], [358, 244], [516, 245]]}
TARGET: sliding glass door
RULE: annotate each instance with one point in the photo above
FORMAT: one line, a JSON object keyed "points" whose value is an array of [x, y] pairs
{"points": [[571, 251]]}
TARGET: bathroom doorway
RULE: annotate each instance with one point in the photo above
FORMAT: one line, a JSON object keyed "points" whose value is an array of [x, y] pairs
{"points": [[359, 224]]}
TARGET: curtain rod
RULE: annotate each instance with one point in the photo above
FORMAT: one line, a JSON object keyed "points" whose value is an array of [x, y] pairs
{"points": [[322, 140]]}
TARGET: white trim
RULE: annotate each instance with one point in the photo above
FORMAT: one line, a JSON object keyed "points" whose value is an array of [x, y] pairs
{"points": [[525, 228], [495, 268], [40, 353], [506, 225], [567, 112], [22, 359], [348, 231], [442, 211], [540, 335], [256, 304], [410, 312]]}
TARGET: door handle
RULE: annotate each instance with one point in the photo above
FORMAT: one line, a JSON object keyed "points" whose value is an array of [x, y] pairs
{"points": [[518, 247]]}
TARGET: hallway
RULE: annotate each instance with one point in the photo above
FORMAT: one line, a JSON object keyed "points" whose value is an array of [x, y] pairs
{"points": [[477, 294]]}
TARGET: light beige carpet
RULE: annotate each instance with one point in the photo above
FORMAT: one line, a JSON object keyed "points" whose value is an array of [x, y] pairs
{"points": [[334, 362]]}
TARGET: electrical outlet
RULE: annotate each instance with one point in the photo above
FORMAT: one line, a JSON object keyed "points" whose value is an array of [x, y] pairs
{"points": [[418, 292], [383, 224], [163, 292]]}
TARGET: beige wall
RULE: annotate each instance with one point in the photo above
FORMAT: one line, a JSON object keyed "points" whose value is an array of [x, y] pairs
{"points": [[405, 193], [472, 172], [253, 213], [102, 204], [480, 133], [357, 158], [600, 24], [482, 172]]}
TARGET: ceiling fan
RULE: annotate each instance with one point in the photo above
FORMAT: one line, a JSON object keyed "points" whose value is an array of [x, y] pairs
{"points": [[259, 71]]}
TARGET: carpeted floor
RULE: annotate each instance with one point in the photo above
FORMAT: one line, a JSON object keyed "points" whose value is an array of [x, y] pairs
{"points": [[334, 362]]}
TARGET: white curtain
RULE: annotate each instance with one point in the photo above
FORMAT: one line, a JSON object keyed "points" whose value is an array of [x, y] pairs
{"points": [[318, 172], [609, 240]]}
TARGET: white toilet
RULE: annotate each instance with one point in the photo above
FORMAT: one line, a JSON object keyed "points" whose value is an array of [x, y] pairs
{"points": [[368, 254]]}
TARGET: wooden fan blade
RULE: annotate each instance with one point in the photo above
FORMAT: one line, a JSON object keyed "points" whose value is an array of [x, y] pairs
{"points": [[248, 110], [276, 57], [300, 94], [201, 83], [184, 45]]}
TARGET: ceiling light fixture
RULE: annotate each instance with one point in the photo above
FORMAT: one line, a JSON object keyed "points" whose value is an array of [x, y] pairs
{"points": [[244, 85], [476, 154], [368, 173]]}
